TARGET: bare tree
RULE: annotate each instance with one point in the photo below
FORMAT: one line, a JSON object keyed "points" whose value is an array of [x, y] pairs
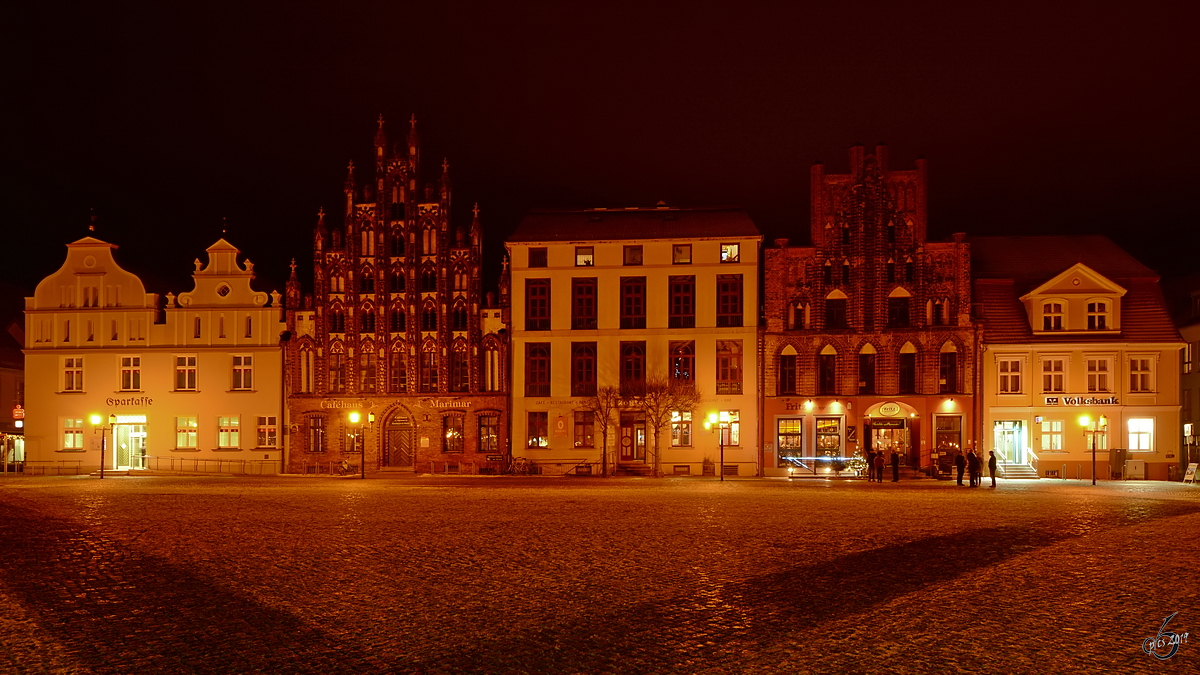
{"points": [[602, 406], [657, 399]]}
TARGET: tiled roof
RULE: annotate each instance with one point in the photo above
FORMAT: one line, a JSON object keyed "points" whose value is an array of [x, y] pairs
{"points": [[1005, 268], [624, 224]]}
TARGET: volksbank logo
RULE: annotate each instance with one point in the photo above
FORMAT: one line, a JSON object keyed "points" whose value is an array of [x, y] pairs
{"points": [[1081, 400]]}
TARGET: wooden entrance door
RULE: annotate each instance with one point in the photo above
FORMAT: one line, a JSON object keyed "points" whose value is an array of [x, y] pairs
{"points": [[398, 447], [632, 440]]}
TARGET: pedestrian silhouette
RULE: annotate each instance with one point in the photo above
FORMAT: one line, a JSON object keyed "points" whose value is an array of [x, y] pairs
{"points": [[992, 465], [973, 465], [879, 464], [895, 466], [960, 463]]}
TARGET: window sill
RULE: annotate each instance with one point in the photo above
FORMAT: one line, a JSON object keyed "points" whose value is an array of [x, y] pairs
{"points": [[185, 449], [241, 391], [71, 451], [185, 391], [72, 391], [130, 391], [266, 447], [227, 450]]}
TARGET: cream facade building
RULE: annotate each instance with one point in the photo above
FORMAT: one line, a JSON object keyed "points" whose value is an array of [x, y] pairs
{"points": [[619, 297], [189, 382], [1079, 353]]}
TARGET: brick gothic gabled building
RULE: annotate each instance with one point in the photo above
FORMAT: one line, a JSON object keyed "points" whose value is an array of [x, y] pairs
{"points": [[397, 329], [868, 342]]}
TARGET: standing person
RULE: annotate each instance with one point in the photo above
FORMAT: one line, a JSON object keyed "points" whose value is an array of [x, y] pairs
{"points": [[992, 465], [895, 467], [960, 463], [973, 464], [870, 465], [880, 462]]}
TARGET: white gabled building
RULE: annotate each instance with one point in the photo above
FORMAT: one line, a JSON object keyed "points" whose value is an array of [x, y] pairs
{"points": [[620, 297], [192, 385]]}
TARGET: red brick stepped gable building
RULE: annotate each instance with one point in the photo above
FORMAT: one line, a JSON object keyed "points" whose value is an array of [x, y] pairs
{"points": [[868, 342], [399, 332], [1079, 352]]}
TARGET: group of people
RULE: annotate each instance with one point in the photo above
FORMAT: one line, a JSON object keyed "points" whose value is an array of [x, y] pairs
{"points": [[876, 464], [973, 464]]}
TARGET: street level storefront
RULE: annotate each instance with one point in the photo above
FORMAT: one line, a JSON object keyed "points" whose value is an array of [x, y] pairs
{"points": [[823, 436], [432, 434]]}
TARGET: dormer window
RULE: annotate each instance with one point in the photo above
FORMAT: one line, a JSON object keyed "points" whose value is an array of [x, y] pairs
{"points": [[1052, 316], [1097, 316]]}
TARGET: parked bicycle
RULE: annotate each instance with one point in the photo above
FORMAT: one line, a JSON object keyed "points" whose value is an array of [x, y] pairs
{"points": [[345, 468], [520, 466]]}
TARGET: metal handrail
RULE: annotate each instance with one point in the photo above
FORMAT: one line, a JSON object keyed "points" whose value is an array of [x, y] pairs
{"points": [[210, 465], [59, 466]]}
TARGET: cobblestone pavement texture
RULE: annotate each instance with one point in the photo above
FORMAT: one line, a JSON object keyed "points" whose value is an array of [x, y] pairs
{"points": [[560, 575]]}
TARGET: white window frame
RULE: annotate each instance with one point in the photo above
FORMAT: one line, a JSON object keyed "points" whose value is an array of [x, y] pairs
{"points": [[1099, 370], [229, 432], [72, 434], [734, 438], [186, 365], [1052, 314], [585, 256], [73, 373], [268, 431], [1099, 319], [681, 429], [187, 433], [1009, 375], [131, 373], [1141, 374], [243, 372], [1140, 433], [1054, 377], [1052, 435]]}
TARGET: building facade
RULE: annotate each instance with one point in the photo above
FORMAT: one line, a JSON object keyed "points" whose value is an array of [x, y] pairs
{"points": [[397, 331], [868, 342], [187, 382], [1079, 355], [12, 375], [631, 301]]}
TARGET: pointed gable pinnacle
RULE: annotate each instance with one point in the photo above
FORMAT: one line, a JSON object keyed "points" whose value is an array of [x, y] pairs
{"points": [[350, 176], [380, 141]]}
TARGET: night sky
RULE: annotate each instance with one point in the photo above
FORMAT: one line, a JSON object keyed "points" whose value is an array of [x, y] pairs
{"points": [[1053, 118]]}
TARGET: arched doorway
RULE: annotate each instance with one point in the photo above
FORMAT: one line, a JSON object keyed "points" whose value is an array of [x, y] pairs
{"points": [[398, 442]]}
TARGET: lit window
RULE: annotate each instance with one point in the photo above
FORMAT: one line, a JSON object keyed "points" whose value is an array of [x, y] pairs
{"points": [[268, 431], [681, 254], [131, 373], [729, 367], [681, 428], [1141, 434], [452, 433], [1052, 435], [585, 256], [316, 434], [228, 432], [243, 372], [734, 435], [72, 434], [186, 435], [185, 373], [585, 429], [489, 432], [729, 253], [829, 436], [538, 431], [790, 440]]}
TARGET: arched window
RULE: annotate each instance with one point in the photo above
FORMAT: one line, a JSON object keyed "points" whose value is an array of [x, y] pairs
{"points": [[366, 319], [396, 281], [836, 310], [460, 279], [583, 369], [428, 280], [366, 282], [866, 369], [827, 273], [337, 369], [337, 283], [460, 370], [368, 242], [633, 367], [306, 369], [429, 240], [788, 380], [891, 271], [397, 243], [827, 370], [458, 319], [898, 308], [948, 369], [907, 368], [367, 367], [429, 317], [429, 367], [537, 369], [845, 272], [910, 270], [337, 320], [396, 320], [397, 370]]}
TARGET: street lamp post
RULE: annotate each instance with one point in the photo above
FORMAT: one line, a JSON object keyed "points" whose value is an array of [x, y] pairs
{"points": [[112, 421], [721, 423], [356, 418], [1086, 422]]}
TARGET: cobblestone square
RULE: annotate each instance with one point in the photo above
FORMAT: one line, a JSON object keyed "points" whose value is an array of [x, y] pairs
{"points": [[559, 575]]}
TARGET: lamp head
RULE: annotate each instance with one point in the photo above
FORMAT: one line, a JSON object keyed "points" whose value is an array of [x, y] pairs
{"points": [[371, 418], [712, 418], [1103, 421], [1084, 421], [112, 419], [95, 420], [355, 417]]}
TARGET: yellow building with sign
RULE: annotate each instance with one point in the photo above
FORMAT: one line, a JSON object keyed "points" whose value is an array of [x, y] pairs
{"points": [[1080, 360], [129, 380]]}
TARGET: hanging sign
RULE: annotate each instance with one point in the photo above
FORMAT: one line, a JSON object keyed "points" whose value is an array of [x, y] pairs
{"points": [[18, 412]]}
